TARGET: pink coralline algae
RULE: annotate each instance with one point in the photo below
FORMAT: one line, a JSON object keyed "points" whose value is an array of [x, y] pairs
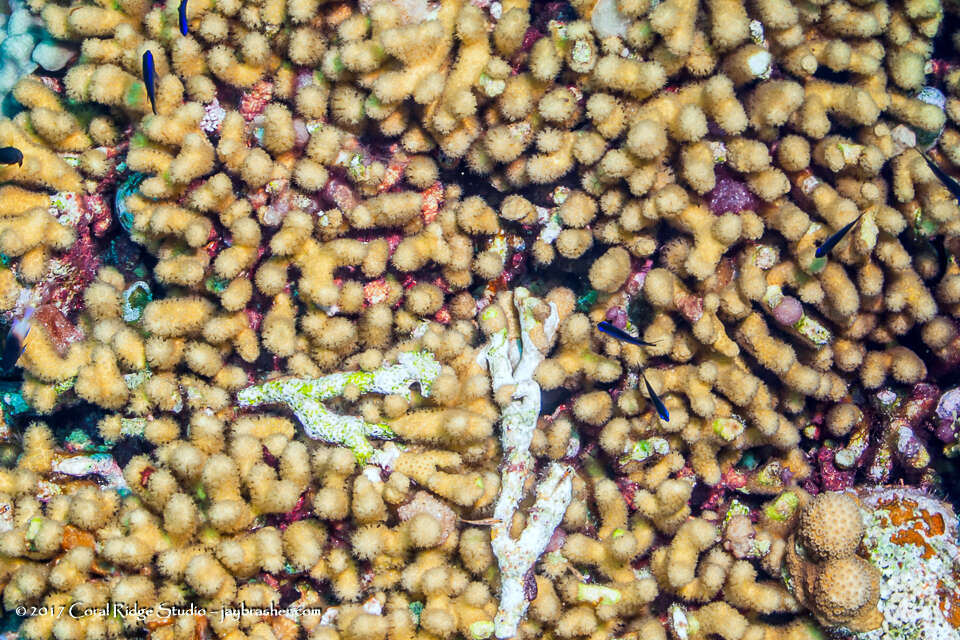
{"points": [[948, 410], [100, 215], [617, 316], [253, 101], [898, 440], [341, 194], [396, 163], [61, 331], [432, 201], [730, 195], [828, 476], [73, 272]]}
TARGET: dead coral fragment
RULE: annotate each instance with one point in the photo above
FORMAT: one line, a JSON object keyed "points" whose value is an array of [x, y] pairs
{"points": [[514, 369], [305, 398]]}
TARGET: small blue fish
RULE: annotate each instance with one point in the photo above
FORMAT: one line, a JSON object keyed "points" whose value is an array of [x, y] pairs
{"points": [[183, 17], [150, 78], [833, 240], [948, 181], [15, 343], [620, 334], [655, 399], [11, 155]]}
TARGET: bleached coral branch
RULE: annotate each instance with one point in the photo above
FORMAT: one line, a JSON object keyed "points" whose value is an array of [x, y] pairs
{"points": [[513, 364], [305, 398]]}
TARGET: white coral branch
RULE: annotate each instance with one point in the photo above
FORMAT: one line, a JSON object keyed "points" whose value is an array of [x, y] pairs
{"points": [[305, 398], [513, 364]]}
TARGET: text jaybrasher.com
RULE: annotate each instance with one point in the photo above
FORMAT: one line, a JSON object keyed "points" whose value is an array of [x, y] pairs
{"points": [[77, 610]]}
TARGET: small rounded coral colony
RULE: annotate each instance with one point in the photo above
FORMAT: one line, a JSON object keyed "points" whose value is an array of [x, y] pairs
{"points": [[474, 319]]}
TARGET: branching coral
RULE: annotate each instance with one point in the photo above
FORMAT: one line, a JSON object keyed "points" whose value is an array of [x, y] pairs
{"points": [[334, 201]]}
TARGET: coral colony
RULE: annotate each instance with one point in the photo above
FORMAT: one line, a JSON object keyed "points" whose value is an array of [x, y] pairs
{"points": [[463, 320]]}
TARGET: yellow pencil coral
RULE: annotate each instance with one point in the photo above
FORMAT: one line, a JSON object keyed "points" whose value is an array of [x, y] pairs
{"points": [[334, 201]]}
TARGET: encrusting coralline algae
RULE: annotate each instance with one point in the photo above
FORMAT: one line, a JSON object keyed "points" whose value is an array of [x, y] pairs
{"points": [[320, 336]]}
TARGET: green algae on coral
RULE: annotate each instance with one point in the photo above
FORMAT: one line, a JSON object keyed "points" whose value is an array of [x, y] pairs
{"points": [[305, 398]]}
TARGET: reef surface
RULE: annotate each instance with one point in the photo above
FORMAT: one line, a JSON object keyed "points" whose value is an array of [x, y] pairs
{"points": [[313, 290]]}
